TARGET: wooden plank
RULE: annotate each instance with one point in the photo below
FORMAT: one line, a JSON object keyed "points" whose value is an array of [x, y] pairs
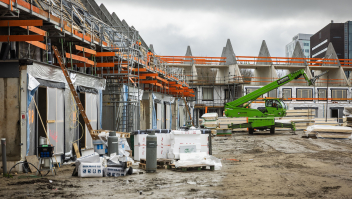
{"points": [[50, 121], [86, 50], [78, 155], [149, 74], [299, 114], [5, 38], [149, 81], [11, 23], [37, 44], [111, 64], [105, 54], [35, 29], [33, 159]]}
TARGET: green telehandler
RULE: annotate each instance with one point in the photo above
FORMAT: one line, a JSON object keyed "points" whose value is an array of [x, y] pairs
{"points": [[264, 118]]}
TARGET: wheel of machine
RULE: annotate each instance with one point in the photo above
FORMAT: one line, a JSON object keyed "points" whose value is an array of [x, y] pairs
{"points": [[272, 130], [250, 131]]}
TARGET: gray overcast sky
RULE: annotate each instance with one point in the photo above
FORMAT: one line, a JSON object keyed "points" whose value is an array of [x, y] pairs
{"points": [[205, 25]]}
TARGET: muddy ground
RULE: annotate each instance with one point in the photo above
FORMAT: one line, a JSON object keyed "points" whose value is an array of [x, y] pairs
{"points": [[272, 166]]}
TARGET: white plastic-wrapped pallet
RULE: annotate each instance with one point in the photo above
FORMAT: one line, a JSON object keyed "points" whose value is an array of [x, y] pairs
{"points": [[189, 159], [210, 116]]}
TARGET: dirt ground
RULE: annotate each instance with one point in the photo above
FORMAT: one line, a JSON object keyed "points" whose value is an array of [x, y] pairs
{"points": [[272, 166]]}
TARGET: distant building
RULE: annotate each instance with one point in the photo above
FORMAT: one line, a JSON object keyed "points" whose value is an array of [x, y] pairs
{"points": [[304, 40], [334, 33]]}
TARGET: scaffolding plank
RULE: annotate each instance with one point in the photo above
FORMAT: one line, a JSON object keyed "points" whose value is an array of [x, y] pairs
{"points": [[108, 64], [149, 74], [38, 44], [35, 30], [5, 38], [105, 54], [149, 81], [86, 50], [11, 23]]}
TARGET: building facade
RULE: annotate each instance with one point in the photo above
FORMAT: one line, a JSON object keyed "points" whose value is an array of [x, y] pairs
{"points": [[304, 40], [331, 33]]}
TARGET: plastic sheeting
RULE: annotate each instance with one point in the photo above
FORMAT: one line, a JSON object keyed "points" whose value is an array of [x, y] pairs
{"points": [[154, 122], [188, 159], [55, 114], [92, 114], [52, 73], [33, 85]]}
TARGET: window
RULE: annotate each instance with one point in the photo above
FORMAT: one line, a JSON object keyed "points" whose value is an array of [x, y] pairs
{"points": [[286, 93], [193, 98], [337, 37], [307, 50], [273, 93], [305, 44], [208, 94], [249, 90], [322, 94], [338, 94], [228, 94], [304, 93]]}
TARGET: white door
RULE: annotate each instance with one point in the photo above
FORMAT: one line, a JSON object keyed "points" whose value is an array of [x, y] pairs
{"points": [[92, 114], [55, 119], [167, 116], [158, 116]]}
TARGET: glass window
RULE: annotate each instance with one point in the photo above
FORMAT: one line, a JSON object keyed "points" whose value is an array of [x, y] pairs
{"points": [[307, 50], [208, 94], [286, 93], [322, 94], [339, 94], [304, 93], [273, 93]]}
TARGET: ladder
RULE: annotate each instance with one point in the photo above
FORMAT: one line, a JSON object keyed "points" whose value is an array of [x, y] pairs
{"points": [[74, 93]]}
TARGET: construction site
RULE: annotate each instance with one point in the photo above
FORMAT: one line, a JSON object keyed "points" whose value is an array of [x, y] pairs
{"points": [[89, 109]]}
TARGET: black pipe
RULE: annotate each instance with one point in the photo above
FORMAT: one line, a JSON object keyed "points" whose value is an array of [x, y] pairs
{"points": [[3, 146]]}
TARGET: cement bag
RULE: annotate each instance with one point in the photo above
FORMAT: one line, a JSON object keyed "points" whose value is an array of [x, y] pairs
{"points": [[93, 158], [114, 172], [90, 170]]}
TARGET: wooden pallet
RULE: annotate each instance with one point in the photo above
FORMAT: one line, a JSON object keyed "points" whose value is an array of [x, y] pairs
{"points": [[161, 163], [142, 166], [122, 134], [197, 167], [224, 135]]}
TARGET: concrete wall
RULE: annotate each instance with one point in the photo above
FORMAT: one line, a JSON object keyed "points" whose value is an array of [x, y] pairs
{"points": [[10, 117]]}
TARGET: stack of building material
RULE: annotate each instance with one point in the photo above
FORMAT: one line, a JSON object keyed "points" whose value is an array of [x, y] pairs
{"points": [[324, 121], [210, 120], [327, 131], [301, 118], [347, 120], [224, 122]]}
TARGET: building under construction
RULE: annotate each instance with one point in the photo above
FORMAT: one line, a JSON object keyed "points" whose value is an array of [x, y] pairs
{"points": [[123, 87]]}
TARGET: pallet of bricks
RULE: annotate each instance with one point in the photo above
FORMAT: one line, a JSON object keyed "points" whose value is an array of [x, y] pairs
{"points": [[161, 163], [302, 119]]}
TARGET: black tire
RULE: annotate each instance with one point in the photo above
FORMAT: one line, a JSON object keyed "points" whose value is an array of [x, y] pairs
{"points": [[272, 130], [130, 171], [250, 131]]}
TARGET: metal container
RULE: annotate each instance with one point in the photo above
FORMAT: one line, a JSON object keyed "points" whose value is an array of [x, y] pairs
{"points": [[4, 162], [42, 140], [151, 156], [113, 143]]}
